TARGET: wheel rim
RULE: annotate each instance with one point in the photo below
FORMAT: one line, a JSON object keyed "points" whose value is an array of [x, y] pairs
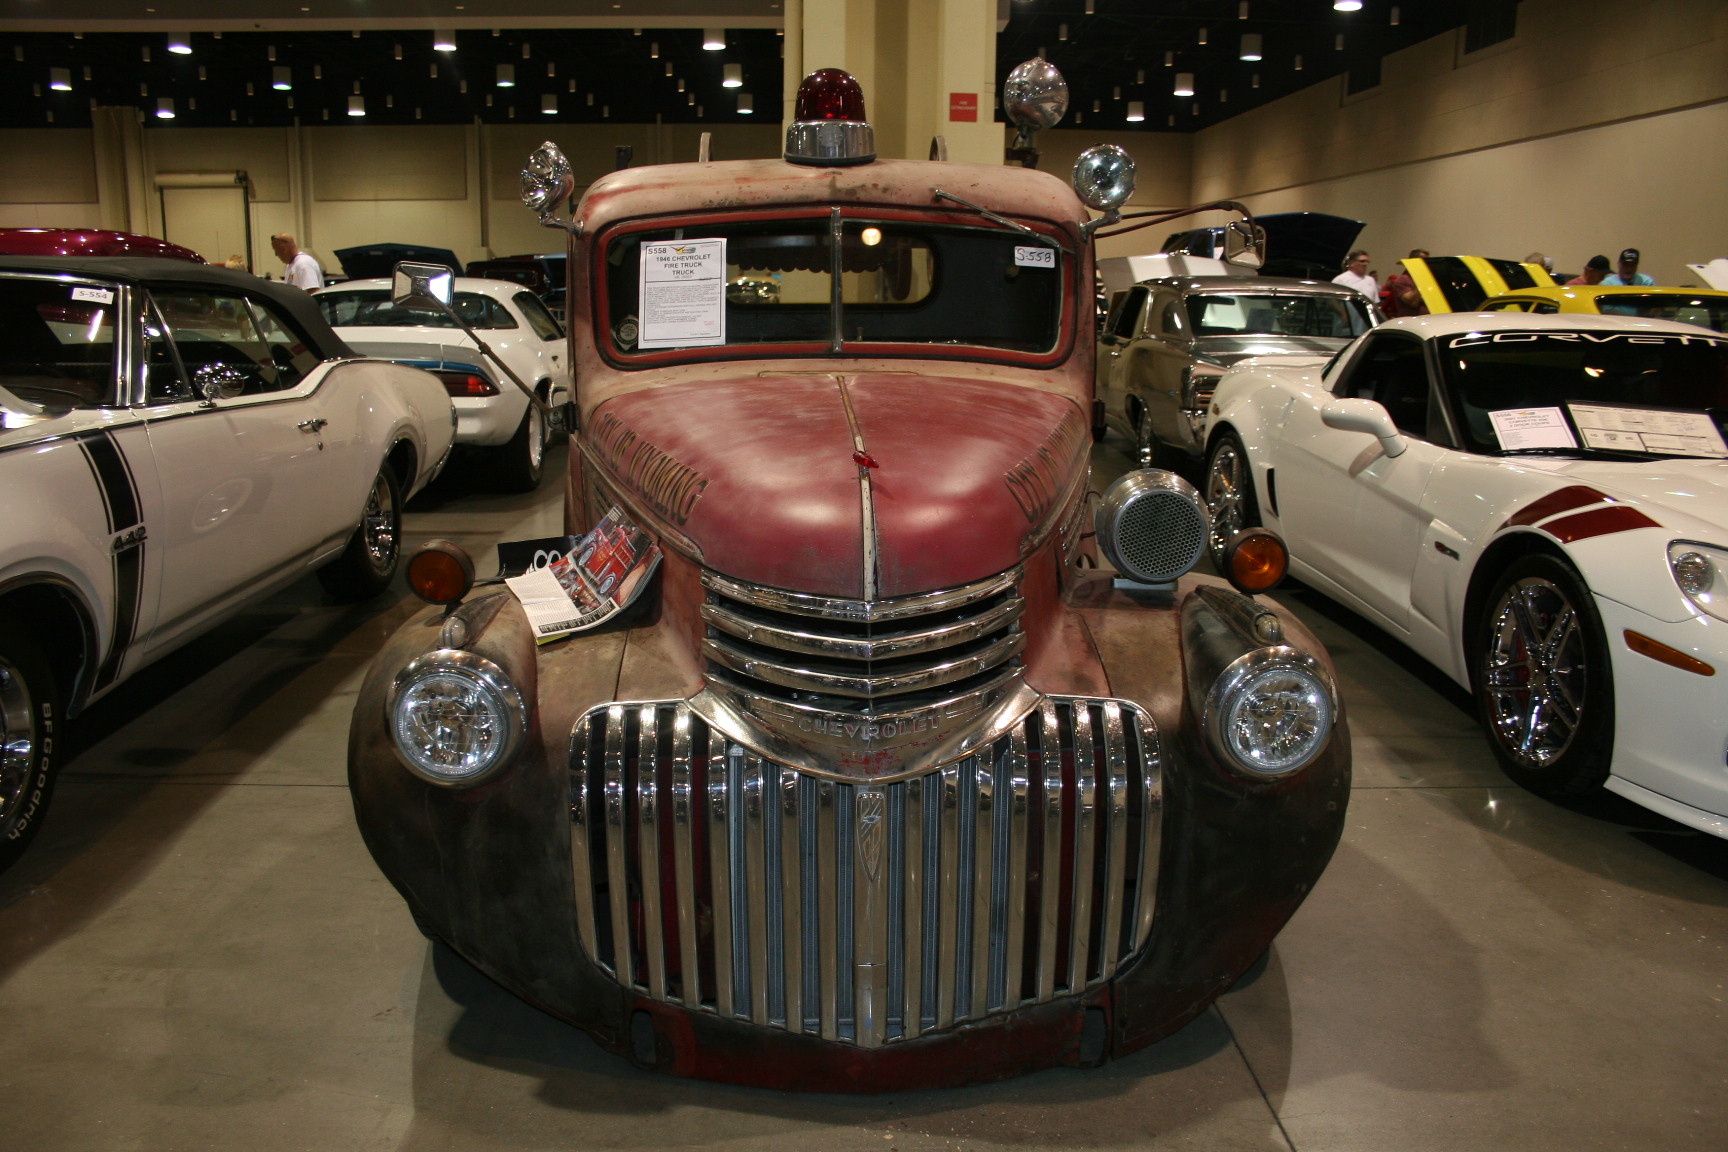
{"points": [[378, 526], [536, 438], [1224, 498], [1143, 433], [1534, 672], [17, 743]]}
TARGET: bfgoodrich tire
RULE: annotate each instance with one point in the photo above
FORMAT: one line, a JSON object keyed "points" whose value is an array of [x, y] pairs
{"points": [[29, 723], [1540, 670], [369, 563]]}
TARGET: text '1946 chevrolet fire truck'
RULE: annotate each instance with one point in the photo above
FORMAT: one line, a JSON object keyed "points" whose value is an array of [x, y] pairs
{"points": [[884, 780]]}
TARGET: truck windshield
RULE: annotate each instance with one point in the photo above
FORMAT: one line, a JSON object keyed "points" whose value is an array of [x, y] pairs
{"points": [[901, 283]]}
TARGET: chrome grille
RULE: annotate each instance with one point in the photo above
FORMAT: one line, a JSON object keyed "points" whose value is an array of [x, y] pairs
{"points": [[856, 654], [709, 877]]}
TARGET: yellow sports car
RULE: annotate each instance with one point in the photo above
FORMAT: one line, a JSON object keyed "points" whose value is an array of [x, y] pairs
{"points": [[1462, 283], [1704, 307]]}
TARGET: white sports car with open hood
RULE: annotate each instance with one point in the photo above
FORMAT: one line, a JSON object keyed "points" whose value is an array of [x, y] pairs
{"points": [[1536, 504]]}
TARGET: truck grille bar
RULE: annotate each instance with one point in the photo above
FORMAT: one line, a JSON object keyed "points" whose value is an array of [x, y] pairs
{"points": [[709, 877]]}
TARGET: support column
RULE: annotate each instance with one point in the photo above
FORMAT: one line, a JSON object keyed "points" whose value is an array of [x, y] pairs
{"points": [[912, 58]]}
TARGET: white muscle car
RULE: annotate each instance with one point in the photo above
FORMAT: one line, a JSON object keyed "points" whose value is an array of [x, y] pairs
{"points": [[1536, 504], [492, 413], [175, 441]]}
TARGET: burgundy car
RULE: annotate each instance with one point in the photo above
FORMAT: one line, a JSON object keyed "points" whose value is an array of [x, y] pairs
{"points": [[88, 242], [887, 780]]}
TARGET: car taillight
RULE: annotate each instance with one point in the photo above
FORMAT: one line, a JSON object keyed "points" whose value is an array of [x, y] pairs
{"points": [[467, 384]]}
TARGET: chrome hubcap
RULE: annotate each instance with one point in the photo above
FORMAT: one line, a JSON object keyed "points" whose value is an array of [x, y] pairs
{"points": [[1534, 673], [379, 526], [1224, 498], [17, 743]]}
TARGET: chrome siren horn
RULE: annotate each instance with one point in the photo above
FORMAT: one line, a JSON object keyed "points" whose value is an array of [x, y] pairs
{"points": [[1152, 526]]}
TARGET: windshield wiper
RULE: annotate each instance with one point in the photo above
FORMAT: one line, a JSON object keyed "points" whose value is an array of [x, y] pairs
{"points": [[1000, 219]]}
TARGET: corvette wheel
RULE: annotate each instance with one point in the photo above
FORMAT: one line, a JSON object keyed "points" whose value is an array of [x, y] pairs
{"points": [[368, 564], [1229, 495], [29, 712], [1543, 680]]}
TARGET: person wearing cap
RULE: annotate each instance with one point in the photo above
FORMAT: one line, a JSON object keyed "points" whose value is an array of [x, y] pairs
{"points": [[1592, 275], [1627, 272]]}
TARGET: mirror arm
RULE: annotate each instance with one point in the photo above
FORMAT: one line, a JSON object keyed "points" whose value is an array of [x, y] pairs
{"points": [[1157, 216]]}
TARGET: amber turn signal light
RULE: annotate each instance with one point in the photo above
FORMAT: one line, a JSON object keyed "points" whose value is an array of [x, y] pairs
{"points": [[440, 572], [1255, 560]]}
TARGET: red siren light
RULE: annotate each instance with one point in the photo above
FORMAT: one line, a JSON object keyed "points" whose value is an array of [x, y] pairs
{"points": [[828, 126], [830, 94]]}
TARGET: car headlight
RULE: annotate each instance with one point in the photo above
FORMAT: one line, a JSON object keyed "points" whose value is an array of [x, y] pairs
{"points": [[455, 718], [1701, 571], [1270, 712]]}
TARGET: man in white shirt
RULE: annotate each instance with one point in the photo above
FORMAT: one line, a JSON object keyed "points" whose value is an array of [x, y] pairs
{"points": [[302, 270], [1355, 275]]}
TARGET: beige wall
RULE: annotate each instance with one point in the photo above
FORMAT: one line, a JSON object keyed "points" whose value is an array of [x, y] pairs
{"points": [[1601, 125]]}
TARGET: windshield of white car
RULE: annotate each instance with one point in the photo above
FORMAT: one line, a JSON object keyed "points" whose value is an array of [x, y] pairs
{"points": [[1653, 394], [1704, 311], [373, 308], [902, 283], [59, 346], [1276, 314]]}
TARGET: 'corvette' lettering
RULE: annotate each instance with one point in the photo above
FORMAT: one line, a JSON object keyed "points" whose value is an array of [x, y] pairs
{"points": [[1476, 338]]}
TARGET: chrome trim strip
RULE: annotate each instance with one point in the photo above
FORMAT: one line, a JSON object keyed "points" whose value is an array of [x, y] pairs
{"points": [[863, 611], [872, 648], [848, 909], [863, 686]]}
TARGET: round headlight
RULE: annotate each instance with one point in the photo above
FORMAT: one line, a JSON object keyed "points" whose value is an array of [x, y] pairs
{"points": [[1152, 525], [455, 718], [1698, 570], [1271, 711]]}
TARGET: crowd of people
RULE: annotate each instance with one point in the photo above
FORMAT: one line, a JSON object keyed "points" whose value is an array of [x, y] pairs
{"points": [[1399, 296]]}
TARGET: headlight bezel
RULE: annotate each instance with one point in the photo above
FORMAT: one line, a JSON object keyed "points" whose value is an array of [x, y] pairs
{"points": [[509, 707], [1234, 684], [1712, 599]]}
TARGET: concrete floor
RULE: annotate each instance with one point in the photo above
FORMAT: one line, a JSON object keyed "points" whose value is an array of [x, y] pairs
{"points": [[198, 953]]}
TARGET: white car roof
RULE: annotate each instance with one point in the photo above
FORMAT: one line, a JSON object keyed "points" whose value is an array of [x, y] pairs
{"points": [[1454, 323], [497, 289]]}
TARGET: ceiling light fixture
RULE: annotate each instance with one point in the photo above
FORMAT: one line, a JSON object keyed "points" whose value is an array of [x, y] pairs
{"points": [[1338, 42], [1202, 36], [356, 105], [60, 79], [1250, 46], [1395, 15], [165, 108], [443, 40], [506, 75], [180, 43], [1169, 59], [745, 107], [1298, 62], [1347, 5], [732, 76], [1184, 83], [282, 78], [549, 104], [1136, 112], [654, 50], [1242, 10], [714, 39], [1062, 32]]}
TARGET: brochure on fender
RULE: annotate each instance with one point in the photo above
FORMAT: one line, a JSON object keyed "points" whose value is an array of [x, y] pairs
{"points": [[577, 583]]}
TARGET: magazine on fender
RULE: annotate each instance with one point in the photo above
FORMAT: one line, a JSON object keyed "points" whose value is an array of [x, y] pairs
{"points": [[573, 584]]}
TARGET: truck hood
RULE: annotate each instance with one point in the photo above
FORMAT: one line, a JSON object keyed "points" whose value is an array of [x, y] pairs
{"points": [[767, 475]]}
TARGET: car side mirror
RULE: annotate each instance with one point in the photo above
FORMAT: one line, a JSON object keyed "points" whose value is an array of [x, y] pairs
{"points": [[1244, 244], [1354, 414], [218, 382], [421, 287]]}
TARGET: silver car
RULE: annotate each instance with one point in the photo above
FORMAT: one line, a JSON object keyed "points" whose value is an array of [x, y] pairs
{"points": [[1166, 342]]}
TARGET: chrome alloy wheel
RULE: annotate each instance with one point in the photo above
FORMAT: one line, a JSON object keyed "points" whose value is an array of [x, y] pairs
{"points": [[18, 743], [1226, 480], [379, 525], [1534, 672]]}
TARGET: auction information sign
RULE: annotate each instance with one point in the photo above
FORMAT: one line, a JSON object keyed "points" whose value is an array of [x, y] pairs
{"points": [[683, 294]]}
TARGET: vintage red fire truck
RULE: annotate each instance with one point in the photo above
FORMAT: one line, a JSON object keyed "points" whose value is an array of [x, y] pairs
{"points": [[889, 778]]}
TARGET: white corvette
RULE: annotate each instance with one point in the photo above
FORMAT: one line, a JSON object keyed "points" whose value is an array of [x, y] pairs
{"points": [[1536, 504]]}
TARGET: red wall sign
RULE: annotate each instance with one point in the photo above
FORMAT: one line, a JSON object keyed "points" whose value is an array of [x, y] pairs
{"points": [[963, 106]]}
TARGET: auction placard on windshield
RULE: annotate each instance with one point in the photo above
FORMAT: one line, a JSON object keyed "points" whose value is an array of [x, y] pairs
{"points": [[682, 291]]}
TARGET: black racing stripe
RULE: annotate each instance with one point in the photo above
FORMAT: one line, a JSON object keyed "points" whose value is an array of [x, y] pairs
{"points": [[128, 590], [115, 477]]}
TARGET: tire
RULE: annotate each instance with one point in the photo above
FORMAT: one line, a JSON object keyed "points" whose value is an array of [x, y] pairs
{"points": [[29, 715], [1539, 665], [1100, 422], [520, 463], [1229, 492], [369, 563]]}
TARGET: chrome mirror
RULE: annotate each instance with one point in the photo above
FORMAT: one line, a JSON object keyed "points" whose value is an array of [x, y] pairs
{"points": [[547, 182], [1244, 244], [421, 287], [1104, 179], [1034, 97], [218, 382]]}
